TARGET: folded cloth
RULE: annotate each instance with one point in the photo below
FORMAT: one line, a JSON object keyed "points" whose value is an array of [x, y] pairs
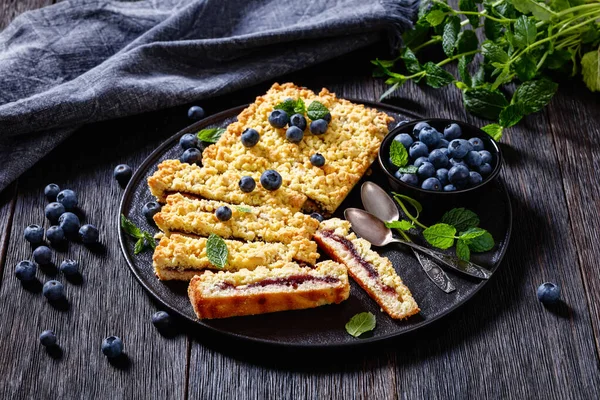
{"points": [[82, 61]]}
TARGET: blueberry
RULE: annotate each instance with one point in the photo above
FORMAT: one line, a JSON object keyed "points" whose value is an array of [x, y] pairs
{"points": [[431, 184], [69, 267], [223, 213], [25, 271], [250, 137], [161, 320], [458, 148], [476, 143], [34, 234], [318, 127], [48, 338], [51, 191], [191, 156], [317, 216], [53, 211], [485, 169], [474, 178], [409, 179], [188, 141], [486, 156], [294, 134], [442, 175], [122, 174], [405, 139], [454, 162], [196, 113], [548, 293], [270, 180], [247, 184], [53, 290], [67, 198], [473, 159], [418, 149], [112, 347], [327, 118], [278, 118], [458, 173], [299, 121], [69, 223], [438, 158], [452, 132], [449, 188], [443, 144], [417, 128], [42, 255], [317, 160], [426, 170], [430, 137], [55, 235], [150, 209], [444, 150], [89, 234], [419, 161]]}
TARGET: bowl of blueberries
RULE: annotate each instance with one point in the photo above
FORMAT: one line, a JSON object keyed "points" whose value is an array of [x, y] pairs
{"points": [[445, 157]]}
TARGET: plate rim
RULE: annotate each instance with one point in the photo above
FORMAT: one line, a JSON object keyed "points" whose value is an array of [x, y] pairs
{"points": [[141, 170]]}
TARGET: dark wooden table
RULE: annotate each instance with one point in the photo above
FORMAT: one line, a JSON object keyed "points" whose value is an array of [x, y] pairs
{"points": [[501, 344]]}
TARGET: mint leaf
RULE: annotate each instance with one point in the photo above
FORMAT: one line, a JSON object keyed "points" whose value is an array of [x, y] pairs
{"points": [[511, 115], [437, 77], [469, 5], [398, 154], [210, 135], [560, 5], [316, 110], [415, 36], [410, 60], [481, 243], [494, 130], [467, 42], [361, 323], [460, 218], [449, 35], [525, 31], [463, 71], [299, 107], [525, 68], [440, 235], [216, 251], [539, 10], [462, 250], [287, 105], [409, 169], [130, 228], [493, 29], [403, 225], [534, 95], [435, 17], [149, 240], [479, 77], [484, 102], [590, 69], [494, 53], [139, 246], [471, 233], [243, 209]]}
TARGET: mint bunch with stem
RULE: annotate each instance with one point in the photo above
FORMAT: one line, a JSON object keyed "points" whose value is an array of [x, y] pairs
{"points": [[525, 41]]}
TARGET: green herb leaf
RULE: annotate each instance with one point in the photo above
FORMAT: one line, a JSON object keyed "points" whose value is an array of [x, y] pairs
{"points": [[416, 36], [361, 323], [558, 59], [525, 68], [316, 110], [482, 243], [493, 29], [494, 130], [462, 250], [299, 107], [479, 77], [435, 17], [409, 169], [560, 5], [511, 115], [149, 240], [525, 31], [210, 135], [590, 69], [130, 228], [440, 235], [505, 76], [484, 102], [451, 29], [467, 42], [534, 95], [243, 209], [287, 105], [472, 233], [403, 225], [416, 205], [437, 77], [390, 90], [460, 218], [538, 9], [139, 246], [216, 251], [398, 154], [410, 60], [469, 5], [493, 53]]}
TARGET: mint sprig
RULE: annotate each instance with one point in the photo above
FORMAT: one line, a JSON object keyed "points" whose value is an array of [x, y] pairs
{"points": [[316, 110], [361, 323], [398, 154], [216, 251], [145, 240], [291, 106], [210, 135]]}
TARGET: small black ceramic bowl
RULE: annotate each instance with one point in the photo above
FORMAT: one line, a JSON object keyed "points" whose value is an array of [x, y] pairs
{"points": [[468, 132]]}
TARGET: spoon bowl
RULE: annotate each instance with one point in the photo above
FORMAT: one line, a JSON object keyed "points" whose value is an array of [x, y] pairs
{"points": [[375, 198], [369, 227]]}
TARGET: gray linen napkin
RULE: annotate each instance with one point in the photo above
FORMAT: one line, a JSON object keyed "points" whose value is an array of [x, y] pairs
{"points": [[82, 61]]}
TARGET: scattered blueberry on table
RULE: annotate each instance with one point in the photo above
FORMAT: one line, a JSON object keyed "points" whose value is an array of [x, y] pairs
{"points": [[68, 199], [548, 293], [51, 191], [69, 223], [112, 346], [271, 180], [53, 290], [89, 234], [122, 174], [196, 113], [247, 184], [250, 137], [42, 255], [161, 320], [53, 211], [69, 267], [317, 160], [55, 235], [223, 213], [188, 141], [34, 234], [25, 271], [48, 338], [278, 118], [150, 209]]}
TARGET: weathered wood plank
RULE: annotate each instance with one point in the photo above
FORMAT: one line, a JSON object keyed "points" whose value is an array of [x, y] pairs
{"points": [[7, 208]]}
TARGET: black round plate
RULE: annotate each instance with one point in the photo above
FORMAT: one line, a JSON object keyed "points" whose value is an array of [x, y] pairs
{"points": [[323, 326]]}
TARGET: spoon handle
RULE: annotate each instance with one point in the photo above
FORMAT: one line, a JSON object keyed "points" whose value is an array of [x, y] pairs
{"points": [[466, 267], [434, 272]]}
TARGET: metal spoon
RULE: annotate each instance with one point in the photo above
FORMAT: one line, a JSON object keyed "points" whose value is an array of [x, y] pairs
{"points": [[372, 229], [379, 203]]}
